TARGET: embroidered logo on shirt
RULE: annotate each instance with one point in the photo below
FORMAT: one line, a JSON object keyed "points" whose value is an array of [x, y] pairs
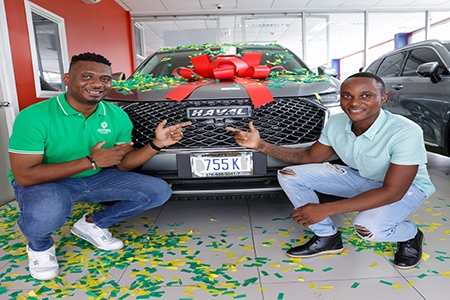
{"points": [[104, 129]]}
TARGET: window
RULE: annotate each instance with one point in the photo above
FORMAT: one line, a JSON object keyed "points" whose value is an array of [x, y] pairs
{"points": [[48, 50], [374, 66], [139, 43], [390, 67], [420, 56]]}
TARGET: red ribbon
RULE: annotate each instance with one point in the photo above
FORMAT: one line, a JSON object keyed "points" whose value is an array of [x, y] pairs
{"points": [[242, 71]]}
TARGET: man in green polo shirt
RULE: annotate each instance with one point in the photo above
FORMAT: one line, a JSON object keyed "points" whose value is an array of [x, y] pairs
{"points": [[384, 177], [76, 148]]}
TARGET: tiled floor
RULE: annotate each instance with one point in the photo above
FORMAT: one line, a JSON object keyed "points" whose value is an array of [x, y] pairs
{"points": [[231, 250]]}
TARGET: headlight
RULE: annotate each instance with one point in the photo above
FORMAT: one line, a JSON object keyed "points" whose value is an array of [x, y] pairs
{"points": [[330, 99]]}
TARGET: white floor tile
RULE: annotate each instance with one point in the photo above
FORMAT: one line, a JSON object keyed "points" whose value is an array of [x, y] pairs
{"points": [[219, 249], [367, 289]]}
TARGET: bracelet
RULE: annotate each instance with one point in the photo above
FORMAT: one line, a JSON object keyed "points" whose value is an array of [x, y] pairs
{"points": [[94, 165], [154, 146]]}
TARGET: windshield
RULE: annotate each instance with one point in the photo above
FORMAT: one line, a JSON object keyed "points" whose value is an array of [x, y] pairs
{"points": [[164, 63]]}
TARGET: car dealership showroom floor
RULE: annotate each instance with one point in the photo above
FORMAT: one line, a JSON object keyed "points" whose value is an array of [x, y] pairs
{"points": [[231, 250]]}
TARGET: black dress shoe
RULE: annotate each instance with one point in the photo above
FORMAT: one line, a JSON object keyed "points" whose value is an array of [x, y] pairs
{"points": [[318, 246], [409, 253]]}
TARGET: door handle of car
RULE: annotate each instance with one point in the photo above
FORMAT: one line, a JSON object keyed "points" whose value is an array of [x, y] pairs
{"points": [[397, 86]]}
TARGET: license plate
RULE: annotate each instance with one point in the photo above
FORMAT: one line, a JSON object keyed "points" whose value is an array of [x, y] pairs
{"points": [[221, 164]]}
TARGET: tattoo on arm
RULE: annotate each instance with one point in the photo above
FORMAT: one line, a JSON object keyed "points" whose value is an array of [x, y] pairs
{"points": [[284, 154]]}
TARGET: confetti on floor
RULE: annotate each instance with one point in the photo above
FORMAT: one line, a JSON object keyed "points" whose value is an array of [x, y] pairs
{"points": [[151, 252]]}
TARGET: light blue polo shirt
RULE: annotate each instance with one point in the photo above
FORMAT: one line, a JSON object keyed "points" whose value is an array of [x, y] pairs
{"points": [[60, 133], [390, 139]]}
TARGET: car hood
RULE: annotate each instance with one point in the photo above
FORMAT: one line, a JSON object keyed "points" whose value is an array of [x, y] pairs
{"points": [[226, 89]]}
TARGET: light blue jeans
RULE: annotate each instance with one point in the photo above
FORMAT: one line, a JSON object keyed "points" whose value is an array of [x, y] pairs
{"points": [[386, 223], [44, 208]]}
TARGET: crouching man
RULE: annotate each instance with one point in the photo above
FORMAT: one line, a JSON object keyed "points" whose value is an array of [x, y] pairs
{"points": [[384, 177], [77, 148]]}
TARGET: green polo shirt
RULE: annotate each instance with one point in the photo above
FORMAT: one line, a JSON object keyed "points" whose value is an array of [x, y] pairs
{"points": [[59, 132]]}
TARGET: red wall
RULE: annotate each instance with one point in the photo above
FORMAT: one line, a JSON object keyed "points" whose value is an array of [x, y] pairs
{"points": [[104, 28]]}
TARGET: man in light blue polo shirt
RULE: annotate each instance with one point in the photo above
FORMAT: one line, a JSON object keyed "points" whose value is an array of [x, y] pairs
{"points": [[384, 178], [75, 148]]}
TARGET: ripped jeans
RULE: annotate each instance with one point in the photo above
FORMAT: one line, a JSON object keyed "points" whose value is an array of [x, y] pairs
{"points": [[385, 223]]}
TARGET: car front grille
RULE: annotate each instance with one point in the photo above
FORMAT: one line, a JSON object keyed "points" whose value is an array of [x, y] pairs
{"points": [[286, 121]]}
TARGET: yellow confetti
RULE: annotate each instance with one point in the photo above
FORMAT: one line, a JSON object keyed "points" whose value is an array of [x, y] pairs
{"points": [[373, 265], [312, 285], [410, 284], [6, 284], [317, 96], [325, 287], [262, 288], [398, 286], [274, 265], [285, 270], [425, 256], [241, 260], [213, 219], [283, 233], [300, 278]]}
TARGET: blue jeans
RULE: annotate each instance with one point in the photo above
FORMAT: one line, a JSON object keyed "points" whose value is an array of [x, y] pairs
{"points": [[386, 223], [46, 207]]}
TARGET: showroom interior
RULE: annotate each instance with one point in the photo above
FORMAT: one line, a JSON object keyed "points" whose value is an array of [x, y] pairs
{"points": [[215, 248]]}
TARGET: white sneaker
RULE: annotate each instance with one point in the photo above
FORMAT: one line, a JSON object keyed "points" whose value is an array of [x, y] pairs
{"points": [[43, 264], [100, 238]]}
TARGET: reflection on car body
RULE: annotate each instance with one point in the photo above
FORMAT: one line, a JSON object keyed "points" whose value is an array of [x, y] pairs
{"points": [[207, 161], [417, 78]]}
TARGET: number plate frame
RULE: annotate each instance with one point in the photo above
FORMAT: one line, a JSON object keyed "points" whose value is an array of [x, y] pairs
{"points": [[221, 164]]}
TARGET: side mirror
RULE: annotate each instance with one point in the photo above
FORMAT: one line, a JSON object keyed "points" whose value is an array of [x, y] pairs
{"points": [[327, 71], [429, 69], [119, 76]]}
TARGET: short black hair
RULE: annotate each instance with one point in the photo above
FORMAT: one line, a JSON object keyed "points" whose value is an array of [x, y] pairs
{"points": [[380, 82], [89, 56]]}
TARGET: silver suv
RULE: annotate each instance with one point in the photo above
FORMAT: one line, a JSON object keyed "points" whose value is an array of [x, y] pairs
{"points": [[207, 161], [417, 78]]}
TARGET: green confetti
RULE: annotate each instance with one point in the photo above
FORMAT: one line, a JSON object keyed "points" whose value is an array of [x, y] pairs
{"points": [[355, 285], [278, 275], [386, 282], [280, 296]]}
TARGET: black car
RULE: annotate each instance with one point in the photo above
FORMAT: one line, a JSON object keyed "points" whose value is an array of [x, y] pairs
{"points": [[417, 78], [215, 86]]}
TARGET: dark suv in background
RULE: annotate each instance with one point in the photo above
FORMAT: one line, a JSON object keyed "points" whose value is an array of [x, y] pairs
{"points": [[215, 86], [417, 78]]}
